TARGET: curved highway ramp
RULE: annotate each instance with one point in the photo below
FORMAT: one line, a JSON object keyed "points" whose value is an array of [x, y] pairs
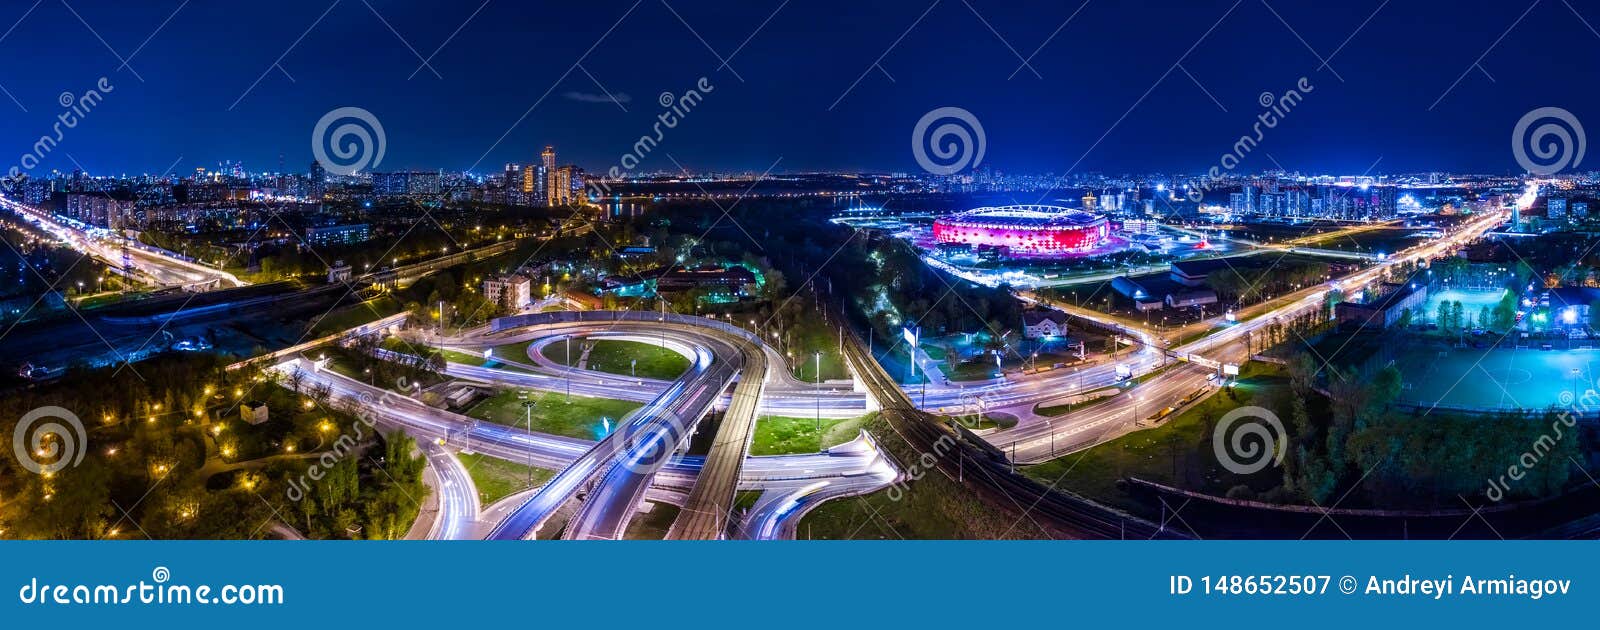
{"points": [[613, 475]]}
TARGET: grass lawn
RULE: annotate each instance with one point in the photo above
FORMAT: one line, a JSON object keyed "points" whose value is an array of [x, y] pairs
{"points": [[459, 356], [778, 435], [807, 338], [1061, 410], [987, 421], [1178, 453], [519, 351], [931, 508], [981, 369], [744, 500], [497, 479], [615, 356], [345, 367], [355, 315], [580, 418], [652, 526]]}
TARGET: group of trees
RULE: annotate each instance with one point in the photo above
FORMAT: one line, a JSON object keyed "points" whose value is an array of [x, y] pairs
{"points": [[150, 435], [1251, 284], [364, 495], [410, 363], [1450, 316], [1299, 327], [1398, 458]]}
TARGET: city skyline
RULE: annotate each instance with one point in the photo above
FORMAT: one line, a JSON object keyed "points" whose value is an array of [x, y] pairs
{"points": [[978, 274], [1115, 89]]}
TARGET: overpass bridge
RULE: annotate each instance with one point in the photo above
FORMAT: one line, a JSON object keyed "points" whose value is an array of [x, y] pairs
{"points": [[609, 479], [406, 274]]}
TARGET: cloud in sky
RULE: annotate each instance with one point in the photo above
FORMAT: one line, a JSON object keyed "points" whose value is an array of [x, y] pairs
{"points": [[587, 97]]}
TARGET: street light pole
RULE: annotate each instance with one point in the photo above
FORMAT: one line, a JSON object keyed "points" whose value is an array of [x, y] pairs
{"points": [[818, 391]]}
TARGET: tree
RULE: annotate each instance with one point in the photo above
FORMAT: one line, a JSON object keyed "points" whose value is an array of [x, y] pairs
{"points": [[1385, 386], [1456, 319], [296, 379], [1505, 313], [1442, 316]]}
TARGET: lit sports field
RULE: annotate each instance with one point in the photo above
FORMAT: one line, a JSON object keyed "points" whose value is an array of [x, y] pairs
{"points": [[1502, 378]]}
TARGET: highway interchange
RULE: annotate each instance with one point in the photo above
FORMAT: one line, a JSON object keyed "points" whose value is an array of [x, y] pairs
{"points": [[601, 484]]}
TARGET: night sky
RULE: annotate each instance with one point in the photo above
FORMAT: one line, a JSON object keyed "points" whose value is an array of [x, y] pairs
{"points": [[1111, 68]]}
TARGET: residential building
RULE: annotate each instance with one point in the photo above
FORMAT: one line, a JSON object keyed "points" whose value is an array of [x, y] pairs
{"points": [[338, 234], [1042, 324], [512, 292]]}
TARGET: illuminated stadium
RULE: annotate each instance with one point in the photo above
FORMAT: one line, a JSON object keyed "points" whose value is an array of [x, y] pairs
{"points": [[1025, 229]]}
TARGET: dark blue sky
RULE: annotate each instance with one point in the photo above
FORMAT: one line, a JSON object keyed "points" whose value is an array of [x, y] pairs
{"points": [[1095, 75]]}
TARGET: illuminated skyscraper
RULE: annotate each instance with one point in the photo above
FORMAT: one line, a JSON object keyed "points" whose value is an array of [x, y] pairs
{"points": [[513, 176], [562, 182], [549, 163]]}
